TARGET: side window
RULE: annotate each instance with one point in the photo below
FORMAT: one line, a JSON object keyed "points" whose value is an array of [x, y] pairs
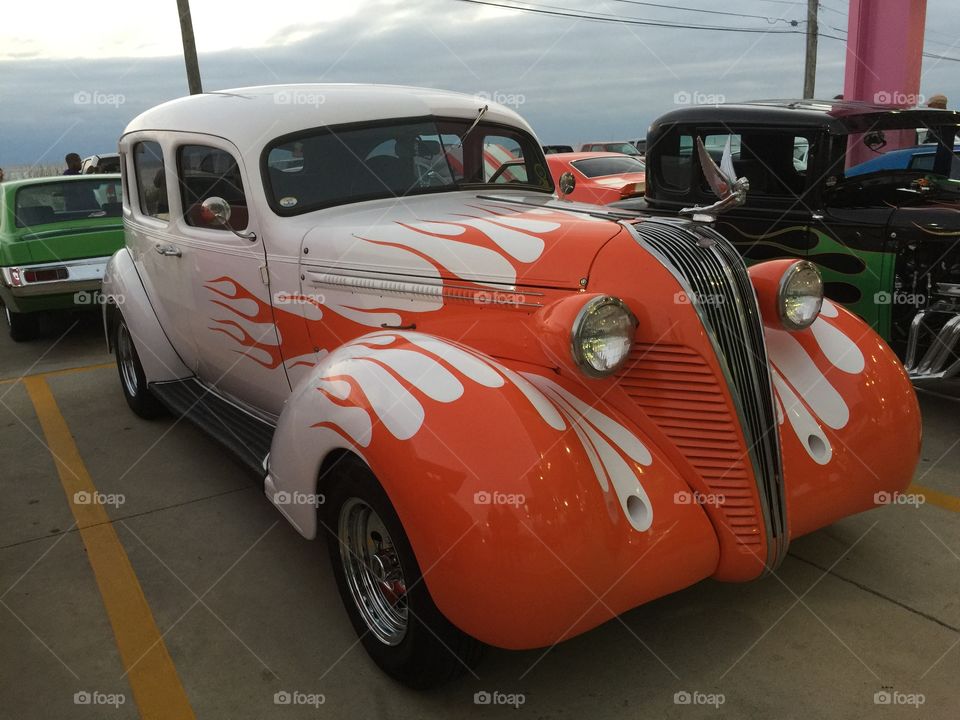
{"points": [[676, 161], [503, 160], [151, 180], [206, 172]]}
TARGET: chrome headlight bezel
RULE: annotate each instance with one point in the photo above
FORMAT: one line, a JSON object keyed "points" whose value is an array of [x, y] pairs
{"points": [[581, 323], [800, 271]]}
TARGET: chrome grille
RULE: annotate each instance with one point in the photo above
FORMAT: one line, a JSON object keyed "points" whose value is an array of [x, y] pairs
{"points": [[715, 278]]}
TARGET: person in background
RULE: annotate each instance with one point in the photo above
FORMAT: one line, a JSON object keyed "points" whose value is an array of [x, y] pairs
{"points": [[1, 174], [73, 164], [937, 102]]}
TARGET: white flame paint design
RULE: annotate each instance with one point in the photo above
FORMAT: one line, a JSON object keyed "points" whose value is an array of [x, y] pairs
{"points": [[375, 368], [804, 395]]}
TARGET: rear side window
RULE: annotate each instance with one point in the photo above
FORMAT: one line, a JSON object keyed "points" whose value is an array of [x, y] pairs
{"points": [[151, 180], [207, 172]]}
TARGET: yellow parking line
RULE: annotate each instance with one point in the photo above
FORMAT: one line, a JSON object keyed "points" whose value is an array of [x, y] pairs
{"points": [[55, 373], [156, 686], [935, 497]]}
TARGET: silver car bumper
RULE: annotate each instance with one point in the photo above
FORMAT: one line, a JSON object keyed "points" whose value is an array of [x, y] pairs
{"points": [[73, 276]]}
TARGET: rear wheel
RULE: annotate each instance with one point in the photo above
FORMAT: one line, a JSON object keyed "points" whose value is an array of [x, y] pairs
{"points": [[382, 587], [22, 326], [132, 379]]}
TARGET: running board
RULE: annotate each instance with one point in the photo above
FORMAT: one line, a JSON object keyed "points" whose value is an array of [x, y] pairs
{"points": [[246, 435]]}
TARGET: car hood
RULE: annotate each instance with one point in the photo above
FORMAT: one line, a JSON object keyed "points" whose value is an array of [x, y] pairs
{"points": [[491, 239]]}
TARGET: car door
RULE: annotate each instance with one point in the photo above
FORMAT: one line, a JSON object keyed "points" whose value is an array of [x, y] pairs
{"points": [[232, 320], [161, 257]]}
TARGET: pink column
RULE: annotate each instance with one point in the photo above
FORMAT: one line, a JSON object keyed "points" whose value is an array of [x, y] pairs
{"points": [[884, 54]]}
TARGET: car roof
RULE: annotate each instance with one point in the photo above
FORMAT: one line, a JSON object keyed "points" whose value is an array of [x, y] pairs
{"points": [[584, 155], [251, 117], [60, 178], [838, 116]]}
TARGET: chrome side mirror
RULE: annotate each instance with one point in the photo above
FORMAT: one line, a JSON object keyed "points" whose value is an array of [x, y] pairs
{"points": [[566, 183], [723, 180], [216, 211]]}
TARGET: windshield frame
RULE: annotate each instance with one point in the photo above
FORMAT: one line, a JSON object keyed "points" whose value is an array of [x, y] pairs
{"points": [[437, 121]]}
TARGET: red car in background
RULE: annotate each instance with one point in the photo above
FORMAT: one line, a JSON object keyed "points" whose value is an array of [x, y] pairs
{"points": [[600, 177]]}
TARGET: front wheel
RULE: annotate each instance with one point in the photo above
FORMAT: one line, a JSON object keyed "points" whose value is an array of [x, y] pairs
{"points": [[132, 379], [382, 587], [21, 325]]}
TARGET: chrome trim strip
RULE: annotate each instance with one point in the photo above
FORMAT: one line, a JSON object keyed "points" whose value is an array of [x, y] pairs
{"points": [[704, 263], [402, 288]]}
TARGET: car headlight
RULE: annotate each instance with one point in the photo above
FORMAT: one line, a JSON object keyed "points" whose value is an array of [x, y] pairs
{"points": [[800, 296], [602, 336]]}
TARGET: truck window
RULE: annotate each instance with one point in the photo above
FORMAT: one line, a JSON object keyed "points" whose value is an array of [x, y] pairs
{"points": [[775, 163], [676, 161]]}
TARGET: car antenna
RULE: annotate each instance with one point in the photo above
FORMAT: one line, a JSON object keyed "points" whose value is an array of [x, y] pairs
{"points": [[480, 114]]}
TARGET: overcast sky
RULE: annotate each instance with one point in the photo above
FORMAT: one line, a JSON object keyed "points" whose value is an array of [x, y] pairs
{"points": [[72, 74]]}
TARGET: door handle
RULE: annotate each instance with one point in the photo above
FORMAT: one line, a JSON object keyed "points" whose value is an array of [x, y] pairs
{"points": [[171, 250]]}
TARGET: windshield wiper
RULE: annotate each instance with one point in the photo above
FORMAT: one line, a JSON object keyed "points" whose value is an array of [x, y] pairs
{"points": [[480, 115]]}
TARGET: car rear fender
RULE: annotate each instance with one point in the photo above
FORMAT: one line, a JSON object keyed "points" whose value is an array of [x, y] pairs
{"points": [[123, 293]]}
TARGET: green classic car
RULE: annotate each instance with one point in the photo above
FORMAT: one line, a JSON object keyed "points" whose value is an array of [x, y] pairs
{"points": [[56, 236]]}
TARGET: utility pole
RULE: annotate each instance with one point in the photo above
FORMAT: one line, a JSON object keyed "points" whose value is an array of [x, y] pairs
{"points": [[810, 66], [189, 47]]}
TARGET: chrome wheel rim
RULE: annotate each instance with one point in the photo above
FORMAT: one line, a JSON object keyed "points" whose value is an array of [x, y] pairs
{"points": [[373, 571], [125, 359]]}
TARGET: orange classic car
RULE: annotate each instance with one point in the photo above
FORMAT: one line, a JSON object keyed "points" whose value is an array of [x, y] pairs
{"points": [[510, 418], [599, 178]]}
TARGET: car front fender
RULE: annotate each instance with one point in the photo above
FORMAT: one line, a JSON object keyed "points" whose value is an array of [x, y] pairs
{"points": [[534, 511]]}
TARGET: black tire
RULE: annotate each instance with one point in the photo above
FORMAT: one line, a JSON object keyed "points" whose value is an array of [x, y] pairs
{"points": [[22, 326], [132, 380], [431, 651]]}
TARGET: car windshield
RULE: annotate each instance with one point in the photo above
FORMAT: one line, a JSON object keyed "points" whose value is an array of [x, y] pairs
{"points": [[625, 148], [332, 166], [603, 166], [67, 200], [899, 152]]}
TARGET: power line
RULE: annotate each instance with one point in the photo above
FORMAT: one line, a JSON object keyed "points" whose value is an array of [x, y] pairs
{"points": [[770, 20], [556, 11]]}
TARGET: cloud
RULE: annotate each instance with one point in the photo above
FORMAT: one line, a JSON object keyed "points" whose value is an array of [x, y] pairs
{"points": [[578, 80]]}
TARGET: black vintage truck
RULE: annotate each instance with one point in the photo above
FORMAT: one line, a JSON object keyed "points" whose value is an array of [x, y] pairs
{"points": [[885, 230]]}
